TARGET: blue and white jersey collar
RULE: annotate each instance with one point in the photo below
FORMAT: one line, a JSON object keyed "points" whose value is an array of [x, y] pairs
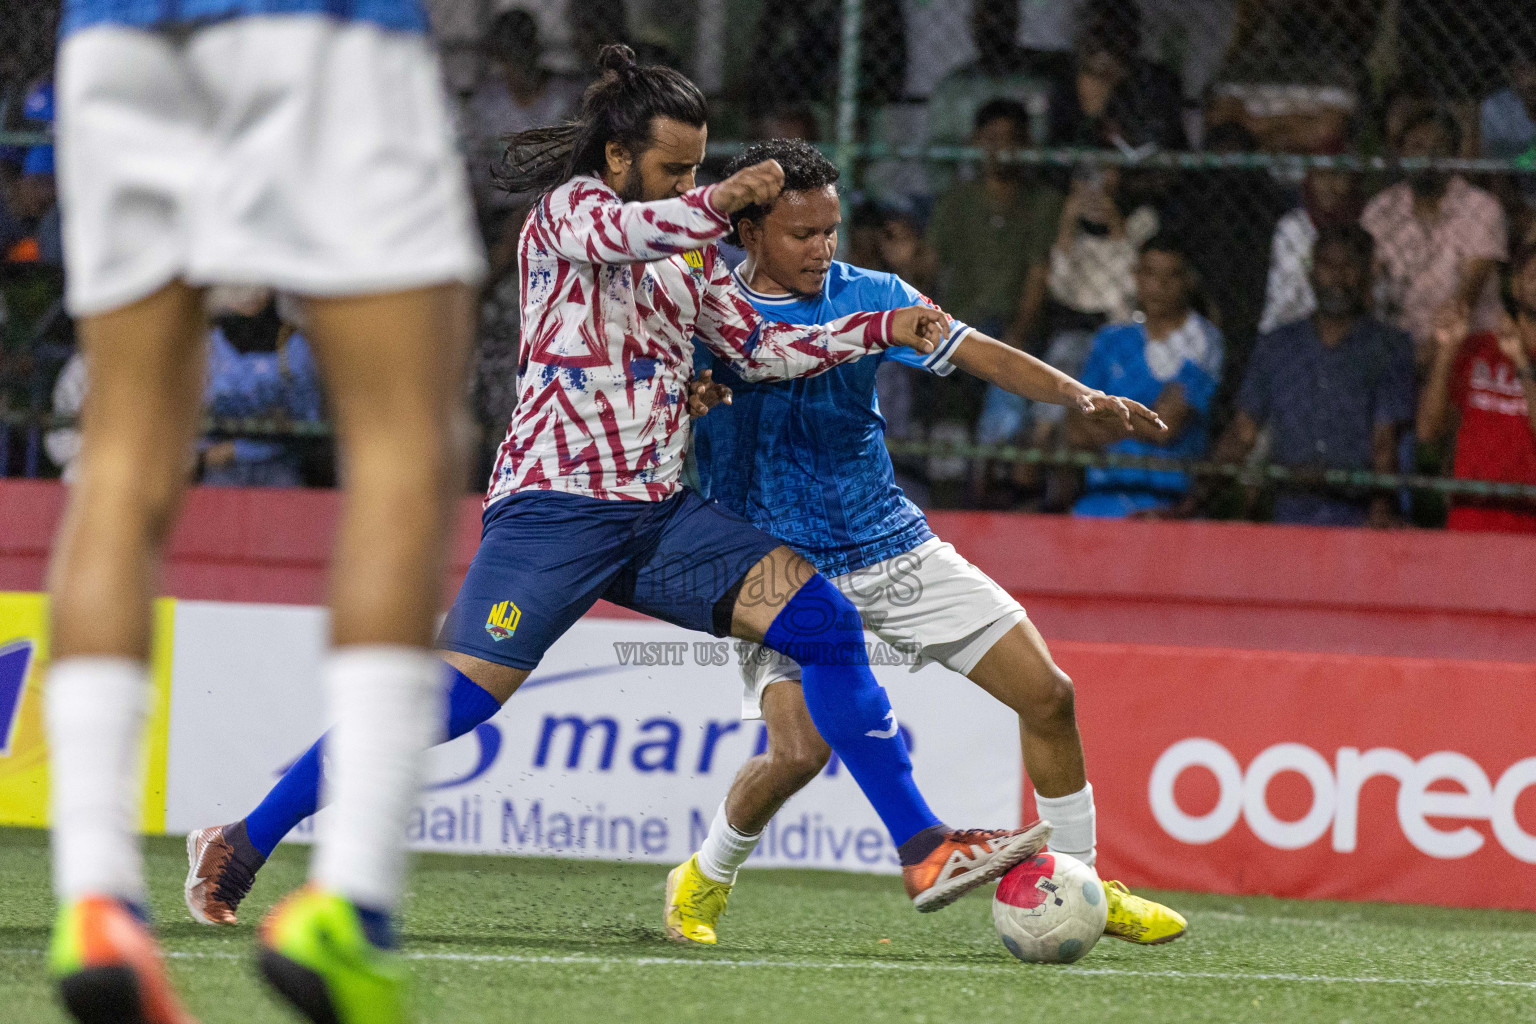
{"points": [[758, 298]]}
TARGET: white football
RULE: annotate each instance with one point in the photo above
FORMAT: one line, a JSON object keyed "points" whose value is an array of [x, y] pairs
{"points": [[1050, 909]]}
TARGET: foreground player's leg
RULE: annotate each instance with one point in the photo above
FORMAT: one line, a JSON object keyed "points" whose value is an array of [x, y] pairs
{"points": [[698, 888], [788, 607], [1019, 671], [223, 859], [139, 420], [392, 365]]}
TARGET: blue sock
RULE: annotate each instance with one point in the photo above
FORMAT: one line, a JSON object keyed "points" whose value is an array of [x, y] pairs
{"points": [[297, 794], [377, 926], [821, 629]]}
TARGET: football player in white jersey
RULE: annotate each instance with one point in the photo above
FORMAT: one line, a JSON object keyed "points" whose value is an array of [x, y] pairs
{"points": [[208, 142]]}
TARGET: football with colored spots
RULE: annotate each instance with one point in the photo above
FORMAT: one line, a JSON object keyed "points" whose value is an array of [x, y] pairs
{"points": [[1050, 909]]}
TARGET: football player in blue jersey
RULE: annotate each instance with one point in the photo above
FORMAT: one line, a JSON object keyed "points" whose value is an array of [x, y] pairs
{"points": [[806, 461]]}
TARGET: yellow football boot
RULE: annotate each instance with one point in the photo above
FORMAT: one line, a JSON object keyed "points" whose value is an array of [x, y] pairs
{"points": [[1137, 919], [694, 903]]}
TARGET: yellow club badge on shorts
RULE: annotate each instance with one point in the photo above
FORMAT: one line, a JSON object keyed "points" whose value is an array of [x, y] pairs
{"points": [[503, 620]]}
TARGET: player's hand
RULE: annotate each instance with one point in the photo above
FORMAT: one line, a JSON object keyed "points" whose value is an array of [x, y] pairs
{"points": [[1133, 416], [1450, 327], [1511, 345], [920, 328], [755, 185], [704, 393]]}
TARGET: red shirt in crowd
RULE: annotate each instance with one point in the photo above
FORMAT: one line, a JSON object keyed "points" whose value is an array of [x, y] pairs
{"points": [[1494, 441]]}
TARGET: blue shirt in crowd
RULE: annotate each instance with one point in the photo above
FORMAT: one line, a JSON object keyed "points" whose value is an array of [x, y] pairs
{"points": [[1322, 405], [1125, 361], [805, 459], [261, 385]]}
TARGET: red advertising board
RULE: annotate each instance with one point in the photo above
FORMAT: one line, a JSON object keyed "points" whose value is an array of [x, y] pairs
{"points": [[1311, 775]]}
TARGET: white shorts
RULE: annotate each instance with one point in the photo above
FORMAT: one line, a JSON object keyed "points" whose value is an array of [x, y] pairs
{"points": [[928, 605], [312, 155]]}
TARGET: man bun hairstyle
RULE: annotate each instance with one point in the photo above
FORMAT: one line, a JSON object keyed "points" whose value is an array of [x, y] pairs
{"points": [[619, 107], [806, 169]]}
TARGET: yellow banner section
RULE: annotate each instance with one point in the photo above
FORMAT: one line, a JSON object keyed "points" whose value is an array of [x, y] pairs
{"points": [[23, 739]]}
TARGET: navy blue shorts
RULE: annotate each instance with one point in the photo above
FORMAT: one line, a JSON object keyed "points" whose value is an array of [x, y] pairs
{"points": [[545, 557]]}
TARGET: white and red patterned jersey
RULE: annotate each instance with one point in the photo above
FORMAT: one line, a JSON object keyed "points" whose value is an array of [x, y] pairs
{"points": [[614, 296]]}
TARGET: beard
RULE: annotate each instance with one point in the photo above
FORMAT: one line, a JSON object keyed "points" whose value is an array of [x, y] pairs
{"points": [[1338, 302], [632, 189]]}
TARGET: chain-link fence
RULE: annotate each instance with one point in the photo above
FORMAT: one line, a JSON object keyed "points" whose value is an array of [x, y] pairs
{"points": [[1284, 223]]}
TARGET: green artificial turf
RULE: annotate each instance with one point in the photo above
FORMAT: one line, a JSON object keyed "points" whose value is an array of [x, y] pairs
{"points": [[502, 939]]}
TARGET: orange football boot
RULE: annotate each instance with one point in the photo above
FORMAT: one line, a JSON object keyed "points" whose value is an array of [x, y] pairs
{"points": [[967, 859]]}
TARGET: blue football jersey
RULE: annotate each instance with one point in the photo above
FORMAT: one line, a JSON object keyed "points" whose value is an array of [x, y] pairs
{"points": [[398, 15], [805, 459]]}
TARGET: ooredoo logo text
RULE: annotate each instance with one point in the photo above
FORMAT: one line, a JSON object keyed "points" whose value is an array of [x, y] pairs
{"points": [[1335, 803]]}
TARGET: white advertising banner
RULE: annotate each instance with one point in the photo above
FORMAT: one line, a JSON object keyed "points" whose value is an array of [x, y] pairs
{"points": [[619, 747]]}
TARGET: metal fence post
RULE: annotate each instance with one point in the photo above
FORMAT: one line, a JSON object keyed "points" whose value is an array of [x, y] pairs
{"points": [[848, 107]]}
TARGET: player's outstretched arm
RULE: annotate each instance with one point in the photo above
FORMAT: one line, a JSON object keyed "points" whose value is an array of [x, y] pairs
{"points": [[761, 349], [1023, 374]]}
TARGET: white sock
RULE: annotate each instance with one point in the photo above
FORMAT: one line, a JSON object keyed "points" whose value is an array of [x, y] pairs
{"points": [[387, 703], [95, 711], [1072, 823], [725, 850]]}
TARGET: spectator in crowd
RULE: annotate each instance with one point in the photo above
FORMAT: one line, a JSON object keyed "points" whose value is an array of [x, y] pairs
{"points": [[1114, 96], [1438, 238], [1334, 390], [1293, 72], [1507, 118], [795, 50], [1226, 217], [1453, 50], [1169, 359], [888, 236], [1480, 389], [1091, 279], [594, 24], [1329, 198], [992, 237], [1002, 69], [259, 367], [29, 212], [516, 94]]}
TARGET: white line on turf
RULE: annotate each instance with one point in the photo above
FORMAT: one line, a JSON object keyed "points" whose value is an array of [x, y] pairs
{"points": [[886, 965], [1340, 922]]}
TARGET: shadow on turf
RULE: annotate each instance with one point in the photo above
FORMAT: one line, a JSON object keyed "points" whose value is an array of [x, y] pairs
{"points": [[24, 937]]}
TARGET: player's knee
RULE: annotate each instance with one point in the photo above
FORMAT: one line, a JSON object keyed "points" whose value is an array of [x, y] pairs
{"points": [[143, 498], [801, 761], [1053, 705]]}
